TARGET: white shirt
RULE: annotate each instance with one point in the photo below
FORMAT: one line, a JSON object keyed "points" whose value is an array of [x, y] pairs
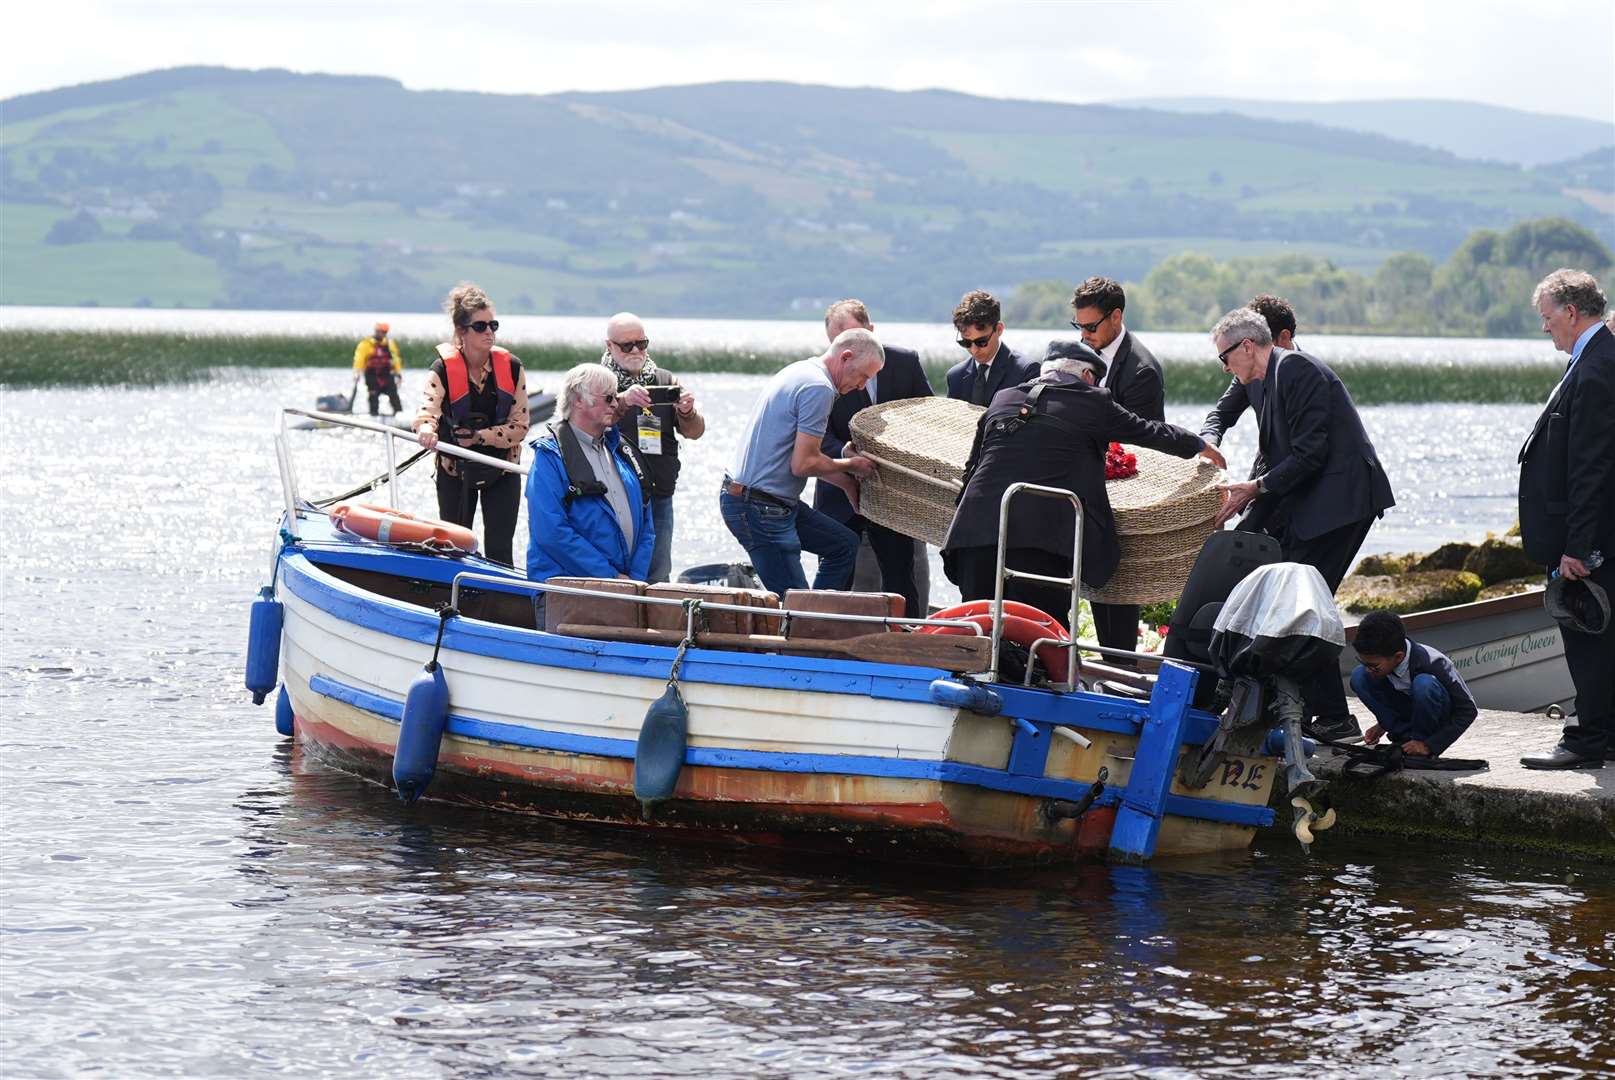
{"points": [[1108, 354], [1399, 677]]}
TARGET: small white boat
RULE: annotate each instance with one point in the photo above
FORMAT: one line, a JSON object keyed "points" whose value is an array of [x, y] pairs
{"points": [[790, 742]]}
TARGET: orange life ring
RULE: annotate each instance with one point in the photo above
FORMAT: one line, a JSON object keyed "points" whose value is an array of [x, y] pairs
{"points": [[388, 526], [1023, 624]]}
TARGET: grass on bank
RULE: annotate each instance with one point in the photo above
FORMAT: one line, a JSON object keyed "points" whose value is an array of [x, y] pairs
{"points": [[33, 358]]}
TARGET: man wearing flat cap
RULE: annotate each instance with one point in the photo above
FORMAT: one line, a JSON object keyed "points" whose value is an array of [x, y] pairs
{"points": [[1052, 430]]}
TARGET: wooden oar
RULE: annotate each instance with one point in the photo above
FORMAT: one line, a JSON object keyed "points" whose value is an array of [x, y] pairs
{"points": [[949, 652]]}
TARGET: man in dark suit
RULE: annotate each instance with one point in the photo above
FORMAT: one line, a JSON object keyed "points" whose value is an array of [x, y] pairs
{"points": [[1235, 400], [1052, 430], [1567, 501], [901, 377], [1133, 377], [991, 365], [1322, 486]]}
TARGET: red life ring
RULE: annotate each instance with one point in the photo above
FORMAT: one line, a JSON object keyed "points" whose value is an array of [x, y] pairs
{"points": [[1023, 624], [388, 526]]}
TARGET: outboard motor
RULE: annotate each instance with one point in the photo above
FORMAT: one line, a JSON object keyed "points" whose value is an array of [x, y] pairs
{"points": [[1226, 559], [1277, 628]]}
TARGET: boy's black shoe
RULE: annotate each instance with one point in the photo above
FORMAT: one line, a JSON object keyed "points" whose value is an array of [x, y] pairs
{"points": [[1334, 728]]}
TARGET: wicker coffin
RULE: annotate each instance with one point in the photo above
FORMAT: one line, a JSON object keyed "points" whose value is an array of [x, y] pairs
{"points": [[1163, 513]]}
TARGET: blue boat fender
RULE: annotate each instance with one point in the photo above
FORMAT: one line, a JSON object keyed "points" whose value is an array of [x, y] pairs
{"points": [[263, 644], [664, 737], [284, 721], [663, 741], [426, 715]]}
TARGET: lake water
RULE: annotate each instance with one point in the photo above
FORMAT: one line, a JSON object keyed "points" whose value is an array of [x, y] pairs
{"points": [[184, 895], [931, 339]]}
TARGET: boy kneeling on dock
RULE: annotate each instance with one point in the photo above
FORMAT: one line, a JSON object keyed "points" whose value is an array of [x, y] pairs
{"points": [[1416, 695]]}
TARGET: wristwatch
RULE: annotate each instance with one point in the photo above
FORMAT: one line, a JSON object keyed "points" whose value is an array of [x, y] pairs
{"points": [[1261, 485]]}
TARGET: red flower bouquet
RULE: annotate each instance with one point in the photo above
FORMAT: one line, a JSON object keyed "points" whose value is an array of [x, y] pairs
{"points": [[1119, 464]]}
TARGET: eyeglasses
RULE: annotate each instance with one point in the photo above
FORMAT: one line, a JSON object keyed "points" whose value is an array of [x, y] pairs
{"points": [[1090, 327], [975, 343], [609, 399], [637, 345], [482, 326], [1222, 357]]}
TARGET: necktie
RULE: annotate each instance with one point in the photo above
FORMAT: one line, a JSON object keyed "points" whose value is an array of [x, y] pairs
{"points": [[978, 388], [1255, 391]]}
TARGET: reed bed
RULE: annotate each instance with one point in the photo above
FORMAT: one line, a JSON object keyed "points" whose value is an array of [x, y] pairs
{"points": [[37, 358]]}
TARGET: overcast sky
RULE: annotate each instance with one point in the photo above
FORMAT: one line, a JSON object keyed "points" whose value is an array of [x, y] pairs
{"points": [[1549, 56]]}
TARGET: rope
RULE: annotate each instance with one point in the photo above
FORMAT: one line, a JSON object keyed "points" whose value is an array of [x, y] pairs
{"points": [[443, 616], [370, 485], [692, 615]]}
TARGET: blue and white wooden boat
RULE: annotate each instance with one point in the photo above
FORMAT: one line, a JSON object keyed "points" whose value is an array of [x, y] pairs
{"points": [[898, 762]]}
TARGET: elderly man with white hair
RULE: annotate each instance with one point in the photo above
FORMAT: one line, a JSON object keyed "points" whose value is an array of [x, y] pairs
{"points": [[654, 411], [1052, 430], [588, 506]]}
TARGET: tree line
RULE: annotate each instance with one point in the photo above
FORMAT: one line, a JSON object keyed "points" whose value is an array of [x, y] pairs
{"points": [[1482, 289]]}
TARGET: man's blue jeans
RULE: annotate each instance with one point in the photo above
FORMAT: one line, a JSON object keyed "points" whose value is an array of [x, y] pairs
{"points": [[661, 552], [1417, 714], [775, 536]]}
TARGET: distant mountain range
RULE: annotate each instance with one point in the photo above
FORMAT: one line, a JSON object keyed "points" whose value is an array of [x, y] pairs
{"points": [[1465, 128], [269, 189]]}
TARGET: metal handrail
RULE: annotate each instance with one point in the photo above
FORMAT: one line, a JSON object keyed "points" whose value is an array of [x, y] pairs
{"points": [[288, 475], [1004, 573], [783, 614]]}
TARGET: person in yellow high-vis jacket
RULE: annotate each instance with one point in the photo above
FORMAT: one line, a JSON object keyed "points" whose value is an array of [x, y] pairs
{"points": [[377, 358]]}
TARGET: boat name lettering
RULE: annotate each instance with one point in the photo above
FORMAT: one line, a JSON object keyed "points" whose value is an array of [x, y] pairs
{"points": [[1495, 656], [1236, 775]]}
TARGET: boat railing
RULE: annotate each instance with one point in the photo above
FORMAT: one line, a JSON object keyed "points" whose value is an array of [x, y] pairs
{"points": [[391, 436], [784, 615], [1005, 574]]}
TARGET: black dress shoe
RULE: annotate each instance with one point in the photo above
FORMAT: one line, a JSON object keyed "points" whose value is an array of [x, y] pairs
{"points": [[1563, 758], [1333, 728]]}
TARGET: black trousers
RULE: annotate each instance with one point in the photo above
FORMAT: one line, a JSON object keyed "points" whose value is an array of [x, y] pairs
{"points": [[894, 554], [1591, 659], [1116, 627], [1331, 555], [378, 385], [501, 500], [973, 570]]}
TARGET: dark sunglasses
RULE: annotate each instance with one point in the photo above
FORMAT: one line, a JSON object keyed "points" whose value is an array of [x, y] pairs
{"points": [[975, 343], [482, 326], [609, 399], [637, 345], [1090, 327], [1222, 357]]}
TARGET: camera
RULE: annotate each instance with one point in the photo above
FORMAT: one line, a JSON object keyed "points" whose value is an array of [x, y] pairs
{"points": [[663, 395]]}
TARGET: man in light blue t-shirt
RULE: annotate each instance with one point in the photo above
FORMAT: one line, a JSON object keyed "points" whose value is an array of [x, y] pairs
{"points": [[761, 497]]}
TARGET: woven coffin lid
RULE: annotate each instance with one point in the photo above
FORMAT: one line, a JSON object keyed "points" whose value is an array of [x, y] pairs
{"points": [[931, 435], [1165, 495], [560, 608]]}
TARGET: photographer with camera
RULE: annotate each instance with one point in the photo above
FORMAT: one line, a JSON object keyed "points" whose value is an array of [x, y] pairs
{"points": [[653, 410]]}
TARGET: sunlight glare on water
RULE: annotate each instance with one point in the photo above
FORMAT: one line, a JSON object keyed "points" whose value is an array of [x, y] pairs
{"points": [[185, 895]]}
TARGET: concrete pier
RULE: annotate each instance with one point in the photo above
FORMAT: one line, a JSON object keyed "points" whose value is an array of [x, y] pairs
{"points": [[1568, 810]]}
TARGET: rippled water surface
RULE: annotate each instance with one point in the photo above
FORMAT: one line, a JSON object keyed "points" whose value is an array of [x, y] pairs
{"points": [[183, 895]]}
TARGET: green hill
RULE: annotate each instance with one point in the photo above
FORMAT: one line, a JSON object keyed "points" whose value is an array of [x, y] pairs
{"points": [[1466, 128], [216, 187]]}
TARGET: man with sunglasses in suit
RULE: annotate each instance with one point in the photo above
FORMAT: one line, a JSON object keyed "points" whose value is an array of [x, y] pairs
{"points": [[991, 366], [901, 559], [1322, 487], [1133, 377]]}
